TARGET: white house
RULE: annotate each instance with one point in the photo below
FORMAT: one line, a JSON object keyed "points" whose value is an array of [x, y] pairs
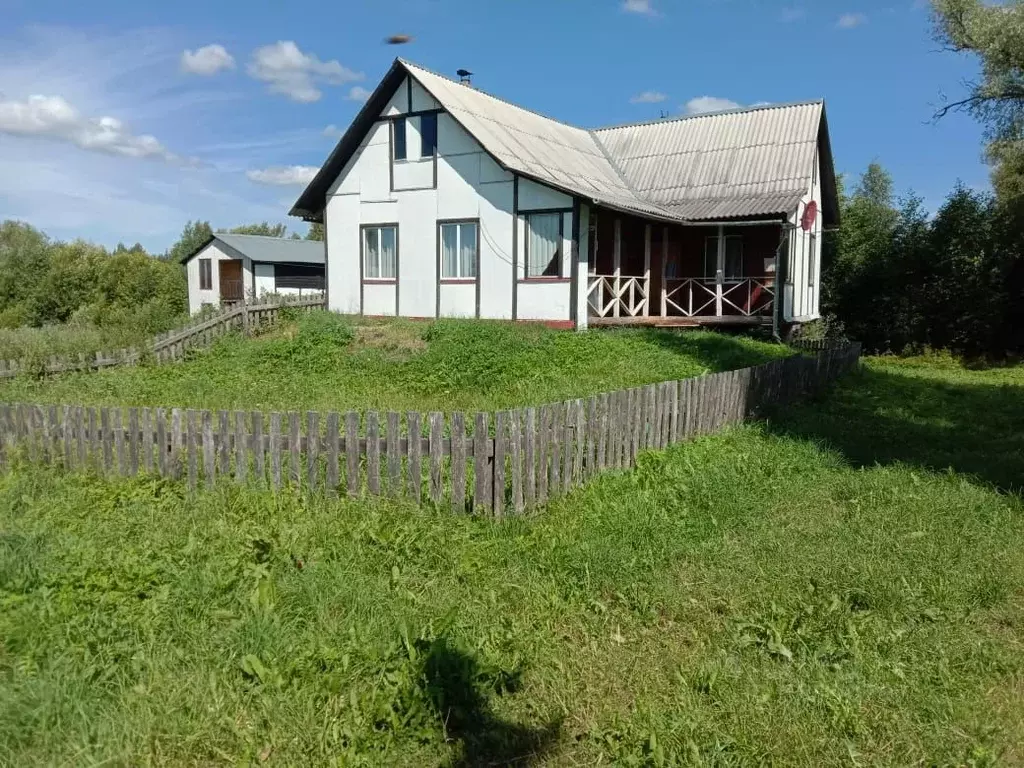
{"points": [[230, 268], [442, 200]]}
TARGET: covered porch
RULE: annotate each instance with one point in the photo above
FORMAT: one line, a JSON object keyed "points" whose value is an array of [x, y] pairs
{"points": [[651, 273]]}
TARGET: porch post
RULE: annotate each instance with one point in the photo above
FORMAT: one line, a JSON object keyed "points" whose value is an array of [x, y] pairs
{"points": [[720, 270], [664, 271], [647, 270], [618, 266]]}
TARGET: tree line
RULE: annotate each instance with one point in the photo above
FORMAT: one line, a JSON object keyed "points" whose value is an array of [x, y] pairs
{"points": [[899, 280]]}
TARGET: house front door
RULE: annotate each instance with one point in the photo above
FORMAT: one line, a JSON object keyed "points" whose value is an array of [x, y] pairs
{"points": [[231, 288]]}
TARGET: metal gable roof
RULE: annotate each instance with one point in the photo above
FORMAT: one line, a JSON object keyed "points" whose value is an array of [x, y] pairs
{"points": [[742, 163], [724, 165], [537, 147], [268, 249]]}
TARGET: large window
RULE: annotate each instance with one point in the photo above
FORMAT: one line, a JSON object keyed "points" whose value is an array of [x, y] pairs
{"points": [[205, 275], [544, 245], [459, 250], [380, 253], [733, 267], [428, 135], [401, 150]]}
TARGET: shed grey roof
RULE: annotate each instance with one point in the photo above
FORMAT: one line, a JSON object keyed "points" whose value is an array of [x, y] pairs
{"points": [[267, 249], [741, 163]]}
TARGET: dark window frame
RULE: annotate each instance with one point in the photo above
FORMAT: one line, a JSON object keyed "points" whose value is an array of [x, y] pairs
{"points": [[428, 149], [362, 253], [559, 255], [441, 223], [313, 276], [400, 144], [206, 274]]}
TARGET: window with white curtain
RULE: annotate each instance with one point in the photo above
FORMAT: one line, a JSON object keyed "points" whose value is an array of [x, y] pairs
{"points": [[544, 245], [380, 253], [733, 267], [459, 250]]}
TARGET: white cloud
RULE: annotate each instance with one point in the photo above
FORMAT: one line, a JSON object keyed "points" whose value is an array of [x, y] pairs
{"points": [[702, 104], [648, 97], [52, 117], [333, 132], [358, 93], [284, 175], [851, 20], [288, 71], [793, 13], [208, 60], [643, 7]]}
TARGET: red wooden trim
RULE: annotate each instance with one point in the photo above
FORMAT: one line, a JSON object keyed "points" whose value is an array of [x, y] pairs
{"points": [[545, 280], [458, 281]]}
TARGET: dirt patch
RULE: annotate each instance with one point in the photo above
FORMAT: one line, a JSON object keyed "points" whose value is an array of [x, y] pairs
{"points": [[396, 340]]}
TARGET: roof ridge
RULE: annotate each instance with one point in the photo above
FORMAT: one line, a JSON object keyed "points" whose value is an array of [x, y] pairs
{"points": [[735, 111], [488, 94]]}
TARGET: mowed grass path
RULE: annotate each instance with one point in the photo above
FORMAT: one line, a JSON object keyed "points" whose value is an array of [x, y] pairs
{"points": [[325, 361], [756, 597]]}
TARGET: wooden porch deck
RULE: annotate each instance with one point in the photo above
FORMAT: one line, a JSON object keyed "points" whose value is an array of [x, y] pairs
{"points": [[676, 321]]}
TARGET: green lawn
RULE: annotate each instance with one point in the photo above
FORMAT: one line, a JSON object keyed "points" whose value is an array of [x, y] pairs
{"points": [[328, 362], [756, 597]]}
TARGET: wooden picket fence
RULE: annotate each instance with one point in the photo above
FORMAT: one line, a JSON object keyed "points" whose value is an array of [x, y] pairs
{"points": [[172, 345], [508, 461]]}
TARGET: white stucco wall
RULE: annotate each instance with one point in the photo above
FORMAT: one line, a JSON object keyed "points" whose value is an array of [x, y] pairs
{"points": [[470, 185], [196, 297], [264, 278], [803, 282]]}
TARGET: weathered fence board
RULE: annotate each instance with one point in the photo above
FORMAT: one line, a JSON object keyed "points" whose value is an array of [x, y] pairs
{"points": [[532, 456]]}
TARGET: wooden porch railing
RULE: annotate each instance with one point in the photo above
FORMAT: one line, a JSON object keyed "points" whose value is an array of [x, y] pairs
{"points": [[611, 296], [619, 296]]}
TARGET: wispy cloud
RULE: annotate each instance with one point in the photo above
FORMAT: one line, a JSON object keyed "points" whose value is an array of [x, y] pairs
{"points": [[52, 117], [851, 20], [358, 93], [283, 176], [333, 132], [792, 13], [703, 104], [208, 60], [648, 97], [642, 7], [288, 71]]}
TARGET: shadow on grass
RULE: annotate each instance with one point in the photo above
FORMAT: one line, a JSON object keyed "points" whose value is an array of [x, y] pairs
{"points": [[721, 351], [456, 687], [881, 416]]}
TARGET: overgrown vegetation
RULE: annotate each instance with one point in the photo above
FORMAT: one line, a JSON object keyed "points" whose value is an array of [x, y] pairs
{"points": [[750, 598], [325, 361], [900, 281]]}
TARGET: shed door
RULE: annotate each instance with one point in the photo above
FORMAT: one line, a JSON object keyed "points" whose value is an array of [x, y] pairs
{"points": [[231, 288]]}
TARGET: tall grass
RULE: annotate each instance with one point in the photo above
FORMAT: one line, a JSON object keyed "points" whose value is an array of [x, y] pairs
{"points": [[326, 361], [785, 593]]}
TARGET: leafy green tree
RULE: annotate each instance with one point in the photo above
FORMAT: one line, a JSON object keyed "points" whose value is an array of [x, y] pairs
{"points": [[192, 237], [316, 231], [994, 32]]}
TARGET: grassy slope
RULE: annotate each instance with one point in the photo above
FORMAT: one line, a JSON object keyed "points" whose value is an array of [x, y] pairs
{"points": [[749, 597], [327, 364]]}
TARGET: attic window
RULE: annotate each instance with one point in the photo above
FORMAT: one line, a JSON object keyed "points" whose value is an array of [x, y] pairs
{"points": [[428, 135], [400, 146]]}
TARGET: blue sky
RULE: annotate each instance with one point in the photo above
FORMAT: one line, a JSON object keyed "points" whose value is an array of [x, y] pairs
{"points": [[121, 120]]}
